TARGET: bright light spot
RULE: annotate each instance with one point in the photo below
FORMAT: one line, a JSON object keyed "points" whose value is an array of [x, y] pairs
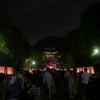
{"points": [[50, 67], [33, 63], [96, 51]]}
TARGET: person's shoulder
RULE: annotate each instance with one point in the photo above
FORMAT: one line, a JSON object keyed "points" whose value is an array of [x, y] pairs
{"points": [[20, 75], [87, 74], [13, 76]]}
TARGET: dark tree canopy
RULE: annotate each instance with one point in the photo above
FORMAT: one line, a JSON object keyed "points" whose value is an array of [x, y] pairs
{"points": [[12, 41]]}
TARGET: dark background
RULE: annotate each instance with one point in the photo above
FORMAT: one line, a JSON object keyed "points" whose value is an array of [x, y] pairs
{"points": [[42, 18]]}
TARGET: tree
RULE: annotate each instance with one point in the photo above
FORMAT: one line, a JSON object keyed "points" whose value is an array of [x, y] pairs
{"points": [[12, 41], [86, 37], [89, 31], [3, 45], [5, 25]]}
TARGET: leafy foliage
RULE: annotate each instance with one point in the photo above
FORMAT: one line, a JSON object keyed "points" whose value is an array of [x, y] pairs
{"points": [[3, 44], [12, 41]]}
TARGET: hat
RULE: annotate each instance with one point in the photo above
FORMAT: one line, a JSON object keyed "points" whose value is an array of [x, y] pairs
{"points": [[16, 66], [36, 69], [25, 69]]}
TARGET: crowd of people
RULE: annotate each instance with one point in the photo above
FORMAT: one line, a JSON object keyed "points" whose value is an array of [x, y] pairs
{"points": [[40, 85], [25, 85]]}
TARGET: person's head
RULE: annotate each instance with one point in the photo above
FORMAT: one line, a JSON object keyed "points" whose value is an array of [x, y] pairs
{"points": [[68, 69], [97, 67], [75, 70], [85, 69], [71, 72], [47, 69], [16, 67]]}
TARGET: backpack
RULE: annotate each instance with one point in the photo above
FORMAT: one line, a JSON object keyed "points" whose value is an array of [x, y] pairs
{"points": [[15, 89]]}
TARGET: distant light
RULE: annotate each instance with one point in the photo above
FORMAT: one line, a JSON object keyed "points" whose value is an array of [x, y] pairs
{"points": [[50, 67], [33, 63], [96, 51]]}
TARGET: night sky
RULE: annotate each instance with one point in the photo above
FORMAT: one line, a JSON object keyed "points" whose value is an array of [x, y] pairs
{"points": [[42, 18]]}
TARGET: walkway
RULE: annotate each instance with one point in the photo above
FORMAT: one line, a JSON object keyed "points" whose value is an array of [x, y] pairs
{"points": [[61, 94]]}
